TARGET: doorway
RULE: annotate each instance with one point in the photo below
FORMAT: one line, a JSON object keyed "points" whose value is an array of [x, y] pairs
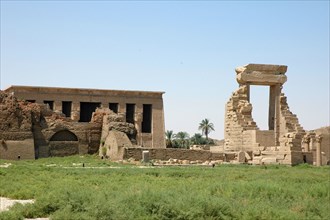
{"points": [[87, 109]]}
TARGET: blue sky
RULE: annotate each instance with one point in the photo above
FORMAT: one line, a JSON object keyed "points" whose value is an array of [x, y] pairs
{"points": [[189, 49]]}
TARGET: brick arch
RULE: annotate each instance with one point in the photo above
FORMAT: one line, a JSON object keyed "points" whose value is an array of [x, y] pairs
{"points": [[64, 135]]}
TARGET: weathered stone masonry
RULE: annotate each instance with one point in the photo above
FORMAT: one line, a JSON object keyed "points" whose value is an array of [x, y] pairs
{"points": [[31, 130], [144, 109], [282, 143], [62, 122]]}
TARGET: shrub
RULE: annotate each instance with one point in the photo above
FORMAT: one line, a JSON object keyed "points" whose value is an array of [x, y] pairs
{"points": [[65, 191], [104, 151]]}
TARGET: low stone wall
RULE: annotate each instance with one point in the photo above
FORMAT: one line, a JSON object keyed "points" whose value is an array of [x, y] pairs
{"points": [[181, 154]]}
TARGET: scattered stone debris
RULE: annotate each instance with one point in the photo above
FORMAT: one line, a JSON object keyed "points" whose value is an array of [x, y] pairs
{"points": [[177, 162]]}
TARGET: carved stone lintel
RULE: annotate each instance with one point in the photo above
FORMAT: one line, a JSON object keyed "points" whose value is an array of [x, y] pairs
{"points": [[261, 74]]}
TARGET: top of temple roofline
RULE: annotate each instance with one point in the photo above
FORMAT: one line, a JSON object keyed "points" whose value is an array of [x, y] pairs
{"points": [[82, 91]]}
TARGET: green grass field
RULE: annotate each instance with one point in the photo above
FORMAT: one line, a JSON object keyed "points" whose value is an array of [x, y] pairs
{"points": [[63, 189]]}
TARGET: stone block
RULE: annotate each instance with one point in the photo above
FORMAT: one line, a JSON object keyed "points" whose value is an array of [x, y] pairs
{"points": [[241, 157], [269, 160], [247, 156], [145, 156]]}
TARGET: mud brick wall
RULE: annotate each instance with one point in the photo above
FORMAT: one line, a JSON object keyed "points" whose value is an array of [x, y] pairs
{"points": [[10, 149]]}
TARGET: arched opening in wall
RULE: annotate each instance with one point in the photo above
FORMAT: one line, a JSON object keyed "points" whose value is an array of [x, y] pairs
{"points": [[63, 143], [259, 98], [64, 135]]}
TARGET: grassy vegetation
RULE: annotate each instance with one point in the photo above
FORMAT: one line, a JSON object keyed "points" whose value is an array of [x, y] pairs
{"points": [[63, 189]]}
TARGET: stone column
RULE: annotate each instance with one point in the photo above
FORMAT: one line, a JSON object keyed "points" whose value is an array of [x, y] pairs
{"points": [[75, 111], [271, 111], [248, 92], [138, 126], [145, 156], [39, 101], [122, 107], [277, 94], [104, 105], [311, 143], [305, 143], [318, 140], [57, 106]]}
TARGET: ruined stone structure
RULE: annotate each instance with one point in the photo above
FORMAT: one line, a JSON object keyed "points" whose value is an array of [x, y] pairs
{"points": [[285, 142], [38, 122], [142, 109], [31, 130]]}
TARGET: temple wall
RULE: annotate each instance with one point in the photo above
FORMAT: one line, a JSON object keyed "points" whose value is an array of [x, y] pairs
{"points": [[11, 149], [264, 138], [239, 121], [104, 98]]}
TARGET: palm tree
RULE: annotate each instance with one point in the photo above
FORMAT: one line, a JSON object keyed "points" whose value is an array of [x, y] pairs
{"points": [[182, 139], [206, 126], [169, 138], [197, 139]]}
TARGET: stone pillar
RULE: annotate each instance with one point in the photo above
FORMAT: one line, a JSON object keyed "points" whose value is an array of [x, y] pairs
{"points": [[75, 111], [277, 119], [241, 157], [305, 143], [318, 140], [57, 106], [39, 101], [145, 156], [138, 126], [271, 111], [104, 105], [122, 107], [248, 92], [311, 143]]}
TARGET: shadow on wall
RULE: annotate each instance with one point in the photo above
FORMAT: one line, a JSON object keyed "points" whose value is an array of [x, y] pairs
{"points": [[4, 145], [64, 135], [63, 143]]}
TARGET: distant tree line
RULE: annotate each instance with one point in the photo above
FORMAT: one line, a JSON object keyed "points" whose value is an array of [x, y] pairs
{"points": [[183, 140]]}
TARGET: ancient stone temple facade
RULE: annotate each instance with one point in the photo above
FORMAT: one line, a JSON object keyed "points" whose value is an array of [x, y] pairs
{"points": [[282, 142], [143, 109]]}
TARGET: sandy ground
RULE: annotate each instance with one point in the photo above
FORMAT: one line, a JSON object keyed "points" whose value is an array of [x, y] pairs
{"points": [[6, 203]]}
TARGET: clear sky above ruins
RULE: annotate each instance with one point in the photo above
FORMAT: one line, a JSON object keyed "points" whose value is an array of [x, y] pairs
{"points": [[189, 49]]}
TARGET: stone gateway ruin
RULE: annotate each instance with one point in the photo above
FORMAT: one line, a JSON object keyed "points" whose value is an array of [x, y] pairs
{"points": [[285, 142]]}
